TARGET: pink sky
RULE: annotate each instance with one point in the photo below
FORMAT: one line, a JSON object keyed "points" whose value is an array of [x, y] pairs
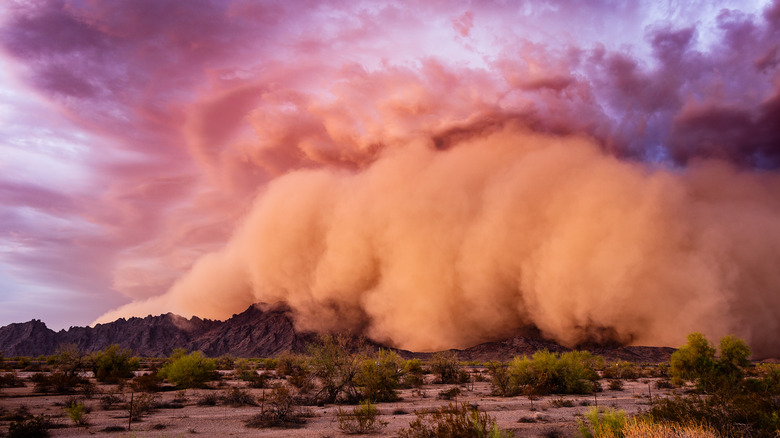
{"points": [[136, 134]]}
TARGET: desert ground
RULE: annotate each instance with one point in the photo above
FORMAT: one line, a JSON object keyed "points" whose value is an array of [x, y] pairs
{"points": [[180, 414]]}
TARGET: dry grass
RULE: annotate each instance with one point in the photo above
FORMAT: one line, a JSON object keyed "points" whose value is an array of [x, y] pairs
{"points": [[640, 429]]}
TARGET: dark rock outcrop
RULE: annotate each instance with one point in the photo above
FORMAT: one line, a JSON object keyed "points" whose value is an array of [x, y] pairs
{"points": [[259, 331]]}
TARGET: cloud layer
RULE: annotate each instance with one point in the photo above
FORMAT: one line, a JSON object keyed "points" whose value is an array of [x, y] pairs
{"points": [[458, 169]]}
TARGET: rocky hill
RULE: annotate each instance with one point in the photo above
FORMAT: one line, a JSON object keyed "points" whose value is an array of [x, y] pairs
{"points": [[260, 331]]}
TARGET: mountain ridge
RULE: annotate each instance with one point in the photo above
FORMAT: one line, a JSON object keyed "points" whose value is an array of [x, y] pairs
{"points": [[262, 330]]}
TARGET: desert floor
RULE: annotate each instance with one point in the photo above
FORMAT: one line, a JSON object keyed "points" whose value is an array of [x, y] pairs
{"points": [[545, 416]]}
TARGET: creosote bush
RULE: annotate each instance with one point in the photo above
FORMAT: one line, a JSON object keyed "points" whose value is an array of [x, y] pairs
{"points": [[453, 421], [361, 420], [278, 409], [77, 413], [31, 427]]}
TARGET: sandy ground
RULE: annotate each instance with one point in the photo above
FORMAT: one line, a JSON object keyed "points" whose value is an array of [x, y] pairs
{"points": [[527, 418]]}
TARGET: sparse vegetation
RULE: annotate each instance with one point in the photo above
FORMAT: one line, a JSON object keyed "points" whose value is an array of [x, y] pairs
{"points": [[363, 419], [31, 427], [237, 397], [279, 409], [453, 421]]}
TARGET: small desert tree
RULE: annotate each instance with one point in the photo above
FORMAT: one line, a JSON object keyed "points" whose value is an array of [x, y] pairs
{"points": [[379, 376], [696, 362], [445, 366], [114, 363], [337, 367], [189, 371]]}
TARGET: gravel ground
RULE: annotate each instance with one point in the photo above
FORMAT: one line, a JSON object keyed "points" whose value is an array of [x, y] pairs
{"points": [[544, 417]]}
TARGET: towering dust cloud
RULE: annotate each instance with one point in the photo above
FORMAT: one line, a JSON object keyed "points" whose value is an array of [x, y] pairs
{"points": [[431, 249]]}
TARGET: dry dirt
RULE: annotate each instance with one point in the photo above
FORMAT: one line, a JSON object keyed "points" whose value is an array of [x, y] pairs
{"points": [[527, 418]]}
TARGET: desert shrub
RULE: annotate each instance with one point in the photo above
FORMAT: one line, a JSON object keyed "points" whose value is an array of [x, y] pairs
{"points": [[445, 366], [31, 427], [11, 380], [336, 367], [664, 384], [22, 362], [238, 397], [247, 372], [696, 362], [142, 404], [412, 374], [208, 399], [452, 421], [573, 372], [189, 371], [225, 362], [621, 370], [561, 402], [56, 382], [279, 409], [114, 363], [110, 401], [363, 419], [147, 382], [378, 377], [616, 385], [69, 360], [602, 424], [77, 413], [739, 413], [635, 428], [449, 394]]}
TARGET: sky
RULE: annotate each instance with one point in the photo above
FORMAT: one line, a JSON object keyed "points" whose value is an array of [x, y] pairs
{"points": [[199, 156]]}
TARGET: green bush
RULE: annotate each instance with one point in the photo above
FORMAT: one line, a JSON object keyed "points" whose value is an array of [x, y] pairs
{"points": [[189, 371], [363, 419], [696, 362], [573, 372], [732, 404], [77, 413], [603, 424], [453, 421], [114, 363], [621, 370], [412, 374], [378, 378]]}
